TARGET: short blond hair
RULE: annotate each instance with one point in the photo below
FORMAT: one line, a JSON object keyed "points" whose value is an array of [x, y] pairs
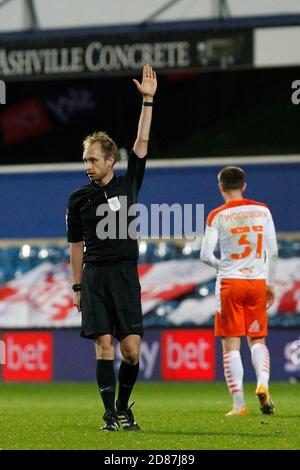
{"points": [[108, 146]]}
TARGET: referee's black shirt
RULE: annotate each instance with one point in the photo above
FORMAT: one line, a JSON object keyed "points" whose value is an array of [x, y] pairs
{"points": [[82, 219]]}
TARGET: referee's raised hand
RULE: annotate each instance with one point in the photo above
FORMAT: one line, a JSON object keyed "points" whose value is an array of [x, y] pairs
{"points": [[149, 82]]}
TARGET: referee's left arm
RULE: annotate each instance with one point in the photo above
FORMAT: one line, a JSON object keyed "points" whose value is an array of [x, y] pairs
{"points": [[147, 89]]}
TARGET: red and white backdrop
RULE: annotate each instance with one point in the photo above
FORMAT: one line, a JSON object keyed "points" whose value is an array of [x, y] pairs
{"points": [[42, 297]]}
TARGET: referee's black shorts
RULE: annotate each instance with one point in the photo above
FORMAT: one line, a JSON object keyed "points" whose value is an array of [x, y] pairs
{"points": [[111, 301]]}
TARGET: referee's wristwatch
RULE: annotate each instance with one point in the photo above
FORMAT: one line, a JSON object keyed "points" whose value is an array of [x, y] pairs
{"points": [[76, 287]]}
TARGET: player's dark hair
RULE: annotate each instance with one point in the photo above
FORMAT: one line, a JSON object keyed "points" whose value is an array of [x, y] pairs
{"points": [[232, 177]]}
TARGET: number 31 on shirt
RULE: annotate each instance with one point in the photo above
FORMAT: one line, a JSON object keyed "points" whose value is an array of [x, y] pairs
{"points": [[243, 240]]}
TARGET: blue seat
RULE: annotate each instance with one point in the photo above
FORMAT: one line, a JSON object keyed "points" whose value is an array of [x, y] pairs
{"points": [[7, 272], [9, 254], [204, 289], [191, 250], [22, 268], [164, 251], [146, 251], [51, 253], [158, 317], [295, 247], [285, 249], [29, 254]]}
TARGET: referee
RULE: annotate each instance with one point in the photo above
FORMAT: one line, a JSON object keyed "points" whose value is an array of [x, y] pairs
{"points": [[104, 264]]}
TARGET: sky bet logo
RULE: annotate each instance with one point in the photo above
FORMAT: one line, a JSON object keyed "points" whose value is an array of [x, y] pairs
{"points": [[2, 92]]}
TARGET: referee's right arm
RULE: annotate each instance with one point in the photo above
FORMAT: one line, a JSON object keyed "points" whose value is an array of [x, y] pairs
{"points": [[75, 238]]}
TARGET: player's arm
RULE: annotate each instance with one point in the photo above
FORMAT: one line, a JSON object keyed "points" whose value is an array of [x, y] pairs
{"points": [[209, 244], [272, 257], [76, 260], [147, 88], [75, 238]]}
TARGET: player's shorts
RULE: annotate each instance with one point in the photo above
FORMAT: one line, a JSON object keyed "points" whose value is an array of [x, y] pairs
{"points": [[111, 301], [241, 308]]}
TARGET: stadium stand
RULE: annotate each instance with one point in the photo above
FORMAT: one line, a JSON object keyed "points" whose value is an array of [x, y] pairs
{"points": [[190, 304]]}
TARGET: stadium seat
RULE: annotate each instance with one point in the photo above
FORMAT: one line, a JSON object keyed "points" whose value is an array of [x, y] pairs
{"points": [[295, 246], [191, 249], [164, 251], [285, 249], [6, 273], [9, 254], [205, 289]]}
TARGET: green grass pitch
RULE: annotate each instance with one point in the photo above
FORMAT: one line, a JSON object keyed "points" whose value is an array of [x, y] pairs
{"points": [[173, 416]]}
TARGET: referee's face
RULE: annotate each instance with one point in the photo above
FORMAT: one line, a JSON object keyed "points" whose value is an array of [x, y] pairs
{"points": [[97, 167]]}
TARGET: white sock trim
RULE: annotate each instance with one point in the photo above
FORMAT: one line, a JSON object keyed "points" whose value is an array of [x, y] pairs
{"points": [[234, 372]]}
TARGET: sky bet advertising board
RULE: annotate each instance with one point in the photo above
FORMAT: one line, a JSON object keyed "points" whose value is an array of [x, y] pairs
{"points": [[170, 355]]}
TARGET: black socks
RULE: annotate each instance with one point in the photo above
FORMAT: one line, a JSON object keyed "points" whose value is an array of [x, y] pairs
{"points": [[106, 381], [127, 377]]}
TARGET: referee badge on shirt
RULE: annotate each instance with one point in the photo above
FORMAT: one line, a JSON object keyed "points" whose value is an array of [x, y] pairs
{"points": [[114, 203]]}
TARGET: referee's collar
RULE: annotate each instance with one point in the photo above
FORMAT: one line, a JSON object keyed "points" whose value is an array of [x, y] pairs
{"points": [[106, 186]]}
